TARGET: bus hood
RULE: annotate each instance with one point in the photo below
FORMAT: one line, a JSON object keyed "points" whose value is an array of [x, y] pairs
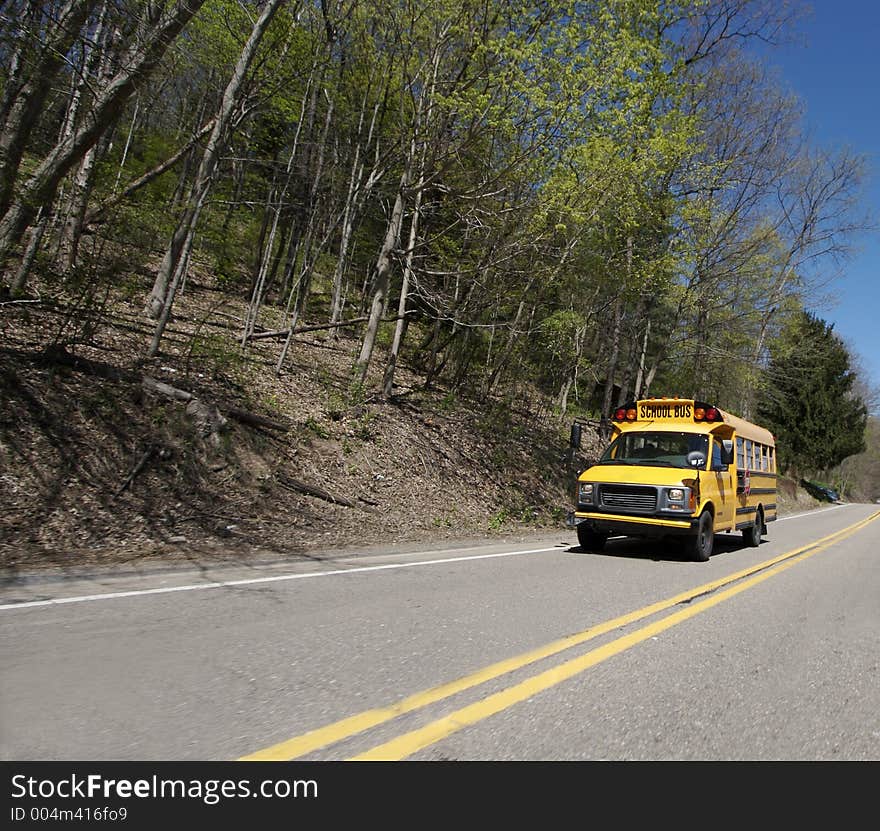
{"points": [[618, 474]]}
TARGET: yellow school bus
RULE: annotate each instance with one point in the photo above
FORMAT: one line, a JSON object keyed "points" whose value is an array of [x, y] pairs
{"points": [[678, 468]]}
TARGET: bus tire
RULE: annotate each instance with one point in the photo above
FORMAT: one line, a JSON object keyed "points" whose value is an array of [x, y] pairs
{"points": [[752, 534], [590, 540], [699, 546]]}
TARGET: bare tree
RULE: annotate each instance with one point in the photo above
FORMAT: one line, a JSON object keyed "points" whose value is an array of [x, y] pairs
{"points": [[157, 29], [32, 81], [95, 61], [174, 263]]}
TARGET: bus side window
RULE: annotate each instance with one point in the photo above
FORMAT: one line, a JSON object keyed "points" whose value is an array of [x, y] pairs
{"points": [[740, 454]]}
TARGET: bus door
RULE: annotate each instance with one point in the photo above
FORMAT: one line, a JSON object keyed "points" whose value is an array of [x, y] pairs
{"points": [[722, 469]]}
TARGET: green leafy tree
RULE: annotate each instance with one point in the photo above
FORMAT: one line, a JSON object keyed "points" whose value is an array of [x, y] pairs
{"points": [[817, 417]]}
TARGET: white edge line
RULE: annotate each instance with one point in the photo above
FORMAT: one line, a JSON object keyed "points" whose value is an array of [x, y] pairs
{"points": [[812, 511], [30, 604]]}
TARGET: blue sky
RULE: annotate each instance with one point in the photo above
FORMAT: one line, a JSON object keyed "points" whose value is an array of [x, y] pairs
{"points": [[835, 70]]}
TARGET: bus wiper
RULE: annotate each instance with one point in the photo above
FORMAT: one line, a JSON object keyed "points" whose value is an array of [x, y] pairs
{"points": [[657, 462]]}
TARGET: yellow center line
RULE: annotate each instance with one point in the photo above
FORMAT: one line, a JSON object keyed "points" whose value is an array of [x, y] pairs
{"points": [[415, 740], [358, 723]]}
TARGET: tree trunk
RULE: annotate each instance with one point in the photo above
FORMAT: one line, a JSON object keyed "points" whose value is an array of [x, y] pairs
{"points": [[151, 175], [357, 192], [631, 367], [699, 341], [308, 256], [402, 321], [381, 282], [36, 237], [15, 78], [265, 248], [162, 295], [637, 390], [507, 351], [572, 375], [39, 189], [26, 104], [82, 180], [611, 369]]}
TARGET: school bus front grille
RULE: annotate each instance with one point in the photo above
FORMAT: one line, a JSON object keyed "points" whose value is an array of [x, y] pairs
{"points": [[628, 497]]}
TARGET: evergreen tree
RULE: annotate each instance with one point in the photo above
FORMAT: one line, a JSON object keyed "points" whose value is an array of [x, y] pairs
{"points": [[811, 406]]}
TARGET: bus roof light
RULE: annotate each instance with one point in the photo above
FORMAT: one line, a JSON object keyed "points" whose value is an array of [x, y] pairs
{"points": [[626, 412], [707, 412]]}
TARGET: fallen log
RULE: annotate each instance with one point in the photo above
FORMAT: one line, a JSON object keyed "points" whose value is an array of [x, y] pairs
{"points": [[148, 454], [311, 490], [254, 420], [283, 333], [208, 413], [166, 389]]}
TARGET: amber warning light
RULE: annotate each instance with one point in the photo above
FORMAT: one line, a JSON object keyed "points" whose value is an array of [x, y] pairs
{"points": [[706, 412], [625, 414]]}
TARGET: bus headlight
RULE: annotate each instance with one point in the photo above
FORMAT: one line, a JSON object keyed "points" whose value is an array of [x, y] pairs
{"points": [[676, 498], [585, 493]]}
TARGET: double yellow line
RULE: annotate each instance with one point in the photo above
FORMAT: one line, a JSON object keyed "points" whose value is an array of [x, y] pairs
{"points": [[415, 740]]}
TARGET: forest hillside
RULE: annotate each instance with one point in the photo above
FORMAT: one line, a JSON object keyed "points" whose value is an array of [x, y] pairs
{"points": [[205, 453], [288, 272]]}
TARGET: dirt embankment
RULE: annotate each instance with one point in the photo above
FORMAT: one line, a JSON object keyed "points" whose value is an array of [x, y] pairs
{"points": [[207, 452]]}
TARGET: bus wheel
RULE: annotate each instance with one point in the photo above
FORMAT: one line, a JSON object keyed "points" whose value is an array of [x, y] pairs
{"points": [[589, 540], [752, 535], [699, 546]]}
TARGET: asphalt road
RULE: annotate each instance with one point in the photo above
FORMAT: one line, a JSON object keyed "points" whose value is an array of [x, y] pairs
{"points": [[532, 650]]}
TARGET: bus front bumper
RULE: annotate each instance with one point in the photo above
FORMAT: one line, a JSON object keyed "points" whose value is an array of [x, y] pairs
{"points": [[632, 526]]}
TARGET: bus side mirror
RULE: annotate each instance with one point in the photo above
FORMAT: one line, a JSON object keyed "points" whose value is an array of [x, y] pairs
{"points": [[575, 438], [696, 459], [727, 451]]}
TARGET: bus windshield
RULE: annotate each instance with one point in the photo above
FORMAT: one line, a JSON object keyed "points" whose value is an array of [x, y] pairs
{"points": [[661, 449]]}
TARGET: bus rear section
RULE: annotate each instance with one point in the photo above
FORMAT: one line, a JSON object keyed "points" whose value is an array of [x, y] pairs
{"points": [[678, 468]]}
